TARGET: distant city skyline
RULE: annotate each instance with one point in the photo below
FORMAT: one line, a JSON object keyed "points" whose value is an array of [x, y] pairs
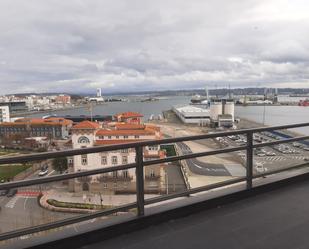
{"points": [[74, 46]]}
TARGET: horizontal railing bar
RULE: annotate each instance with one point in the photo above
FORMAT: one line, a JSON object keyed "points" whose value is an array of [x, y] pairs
{"points": [[65, 222], [65, 153], [194, 155], [24, 183], [280, 170], [282, 141], [96, 149], [193, 191]]}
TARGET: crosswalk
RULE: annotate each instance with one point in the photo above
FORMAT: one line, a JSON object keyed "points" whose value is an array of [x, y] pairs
{"points": [[282, 158], [12, 202]]}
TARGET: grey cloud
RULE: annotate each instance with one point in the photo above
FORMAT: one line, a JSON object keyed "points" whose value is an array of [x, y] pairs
{"points": [[144, 45]]}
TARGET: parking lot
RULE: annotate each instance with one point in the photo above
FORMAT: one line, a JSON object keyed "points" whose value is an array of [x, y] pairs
{"points": [[271, 157]]}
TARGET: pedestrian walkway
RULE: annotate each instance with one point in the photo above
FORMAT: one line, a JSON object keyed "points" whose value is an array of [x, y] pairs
{"points": [[28, 193]]}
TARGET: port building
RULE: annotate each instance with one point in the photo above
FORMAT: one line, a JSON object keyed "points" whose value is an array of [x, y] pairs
{"points": [[221, 113], [190, 114], [130, 128]]}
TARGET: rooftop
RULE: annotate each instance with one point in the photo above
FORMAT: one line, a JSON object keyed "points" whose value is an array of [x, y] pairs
{"points": [[86, 125], [129, 115]]}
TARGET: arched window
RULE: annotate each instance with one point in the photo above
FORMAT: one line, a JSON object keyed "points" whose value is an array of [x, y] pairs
{"points": [[83, 140]]}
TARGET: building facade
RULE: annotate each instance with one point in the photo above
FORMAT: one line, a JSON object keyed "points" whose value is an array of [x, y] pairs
{"points": [[4, 114], [53, 128], [88, 134]]}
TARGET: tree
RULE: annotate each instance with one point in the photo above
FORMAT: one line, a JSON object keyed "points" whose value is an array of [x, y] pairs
{"points": [[60, 164]]}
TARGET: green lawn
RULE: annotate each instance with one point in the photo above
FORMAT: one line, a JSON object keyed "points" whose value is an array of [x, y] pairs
{"points": [[8, 171], [4, 152], [170, 149]]}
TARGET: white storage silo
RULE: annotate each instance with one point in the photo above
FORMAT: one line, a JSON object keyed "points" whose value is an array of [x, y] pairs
{"points": [[215, 109], [229, 108]]}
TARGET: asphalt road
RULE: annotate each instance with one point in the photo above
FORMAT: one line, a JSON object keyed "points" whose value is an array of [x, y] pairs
{"points": [[203, 168], [175, 181], [23, 210]]}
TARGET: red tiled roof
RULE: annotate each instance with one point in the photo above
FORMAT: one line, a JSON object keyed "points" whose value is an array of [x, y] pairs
{"points": [[86, 125], [129, 115], [117, 141], [125, 126], [38, 121], [103, 132]]}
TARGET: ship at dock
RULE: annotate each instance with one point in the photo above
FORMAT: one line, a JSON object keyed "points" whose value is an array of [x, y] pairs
{"points": [[198, 99], [303, 102]]}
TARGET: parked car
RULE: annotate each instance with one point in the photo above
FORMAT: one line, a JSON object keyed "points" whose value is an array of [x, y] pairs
{"points": [[3, 192], [11, 192], [270, 153], [260, 168], [43, 172]]}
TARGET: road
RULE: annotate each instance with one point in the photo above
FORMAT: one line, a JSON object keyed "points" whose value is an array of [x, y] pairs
{"points": [[23, 210], [203, 168], [175, 179]]}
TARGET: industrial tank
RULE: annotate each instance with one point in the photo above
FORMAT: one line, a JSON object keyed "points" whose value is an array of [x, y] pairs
{"points": [[215, 109], [229, 108]]}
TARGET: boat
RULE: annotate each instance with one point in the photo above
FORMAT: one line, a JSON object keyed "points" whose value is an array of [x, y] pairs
{"points": [[303, 102], [196, 99]]}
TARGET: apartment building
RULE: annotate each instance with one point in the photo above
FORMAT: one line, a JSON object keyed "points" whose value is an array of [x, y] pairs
{"points": [[55, 128]]}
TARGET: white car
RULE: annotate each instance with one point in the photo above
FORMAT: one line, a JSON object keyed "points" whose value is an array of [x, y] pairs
{"points": [[270, 153], [43, 172]]}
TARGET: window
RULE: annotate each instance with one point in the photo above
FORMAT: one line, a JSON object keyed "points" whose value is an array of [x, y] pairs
{"points": [[83, 140], [153, 147], [124, 151], [84, 160], [152, 173], [114, 160], [125, 174], [115, 174], [117, 137], [124, 159], [104, 185], [103, 160], [125, 137], [136, 136], [109, 137], [115, 184]]}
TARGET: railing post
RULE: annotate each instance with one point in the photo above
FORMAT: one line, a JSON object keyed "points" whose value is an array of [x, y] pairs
{"points": [[139, 180], [249, 159]]}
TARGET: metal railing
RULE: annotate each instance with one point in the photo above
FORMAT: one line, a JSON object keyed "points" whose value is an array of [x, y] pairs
{"points": [[139, 166]]}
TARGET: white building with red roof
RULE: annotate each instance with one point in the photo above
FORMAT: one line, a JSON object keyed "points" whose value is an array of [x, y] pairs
{"points": [[89, 134]]}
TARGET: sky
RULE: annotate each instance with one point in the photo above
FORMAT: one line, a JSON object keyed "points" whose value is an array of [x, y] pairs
{"points": [[138, 45]]}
